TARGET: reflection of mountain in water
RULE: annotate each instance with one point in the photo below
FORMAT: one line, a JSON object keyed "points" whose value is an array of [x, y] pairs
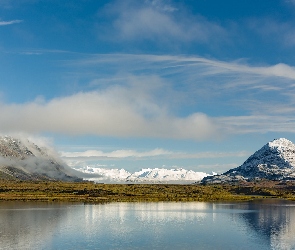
{"points": [[274, 220]]}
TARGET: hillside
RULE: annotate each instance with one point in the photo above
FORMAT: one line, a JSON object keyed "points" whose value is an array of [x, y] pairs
{"points": [[274, 161]]}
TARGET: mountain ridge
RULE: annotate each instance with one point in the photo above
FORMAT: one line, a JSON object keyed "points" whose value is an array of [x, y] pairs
{"points": [[145, 175]]}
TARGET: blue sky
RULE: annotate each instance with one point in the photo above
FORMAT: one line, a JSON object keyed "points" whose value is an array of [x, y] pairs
{"points": [[133, 84]]}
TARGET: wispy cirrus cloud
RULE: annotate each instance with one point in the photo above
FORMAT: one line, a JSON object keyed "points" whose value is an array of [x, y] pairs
{"points": [[157, 21], [198, 78], [141, 96], [181, 63], [263, 94], [5, 23], [257, 124], [274, 30]]}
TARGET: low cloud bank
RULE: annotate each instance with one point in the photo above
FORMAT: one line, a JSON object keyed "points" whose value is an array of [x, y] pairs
{"points": [[158, 152], [117, 111]]}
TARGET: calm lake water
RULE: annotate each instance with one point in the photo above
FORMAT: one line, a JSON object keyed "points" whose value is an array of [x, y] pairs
{"points": [[267, 224]]}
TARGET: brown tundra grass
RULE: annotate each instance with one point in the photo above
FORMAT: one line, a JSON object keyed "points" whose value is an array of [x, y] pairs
{"points": [[89, 192]]}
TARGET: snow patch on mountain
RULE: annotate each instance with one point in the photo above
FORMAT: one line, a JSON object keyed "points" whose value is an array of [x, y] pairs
{"points": [[147, 175]]}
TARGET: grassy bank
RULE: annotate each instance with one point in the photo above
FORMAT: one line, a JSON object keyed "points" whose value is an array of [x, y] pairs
{"points": [[96, 193]]}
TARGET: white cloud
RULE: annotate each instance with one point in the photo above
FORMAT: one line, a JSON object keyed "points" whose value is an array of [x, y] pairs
{"points": [[199, 79], [221, 67], [263, 94], [158, 21], [178, 64], [4, 23], [146, 97], [91, 155], [115, 154], [116, 111]]}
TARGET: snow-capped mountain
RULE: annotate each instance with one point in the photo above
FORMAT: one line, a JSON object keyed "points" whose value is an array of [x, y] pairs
{"points": [[148, 175], [104, 174], [166, 175], [274, 161], [24, 160]]}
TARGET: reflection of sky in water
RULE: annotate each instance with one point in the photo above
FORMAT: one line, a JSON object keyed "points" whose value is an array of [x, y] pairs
{"points": [[23, 226], [245, 225]]}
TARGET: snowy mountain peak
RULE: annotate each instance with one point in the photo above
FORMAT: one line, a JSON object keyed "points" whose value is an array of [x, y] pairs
{"points": [[145, 175], [274, 161], [281, 144], [279, 153]]}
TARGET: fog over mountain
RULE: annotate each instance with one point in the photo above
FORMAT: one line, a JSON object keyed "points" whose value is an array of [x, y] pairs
{"points": [[24, 160]]}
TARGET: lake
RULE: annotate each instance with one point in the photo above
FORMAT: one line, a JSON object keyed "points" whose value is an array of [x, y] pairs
{"points": [[264, 224]]}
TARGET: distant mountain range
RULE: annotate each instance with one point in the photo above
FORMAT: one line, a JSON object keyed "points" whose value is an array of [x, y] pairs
{"points": [[23, 160], [148, 175], [274, 161]]}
